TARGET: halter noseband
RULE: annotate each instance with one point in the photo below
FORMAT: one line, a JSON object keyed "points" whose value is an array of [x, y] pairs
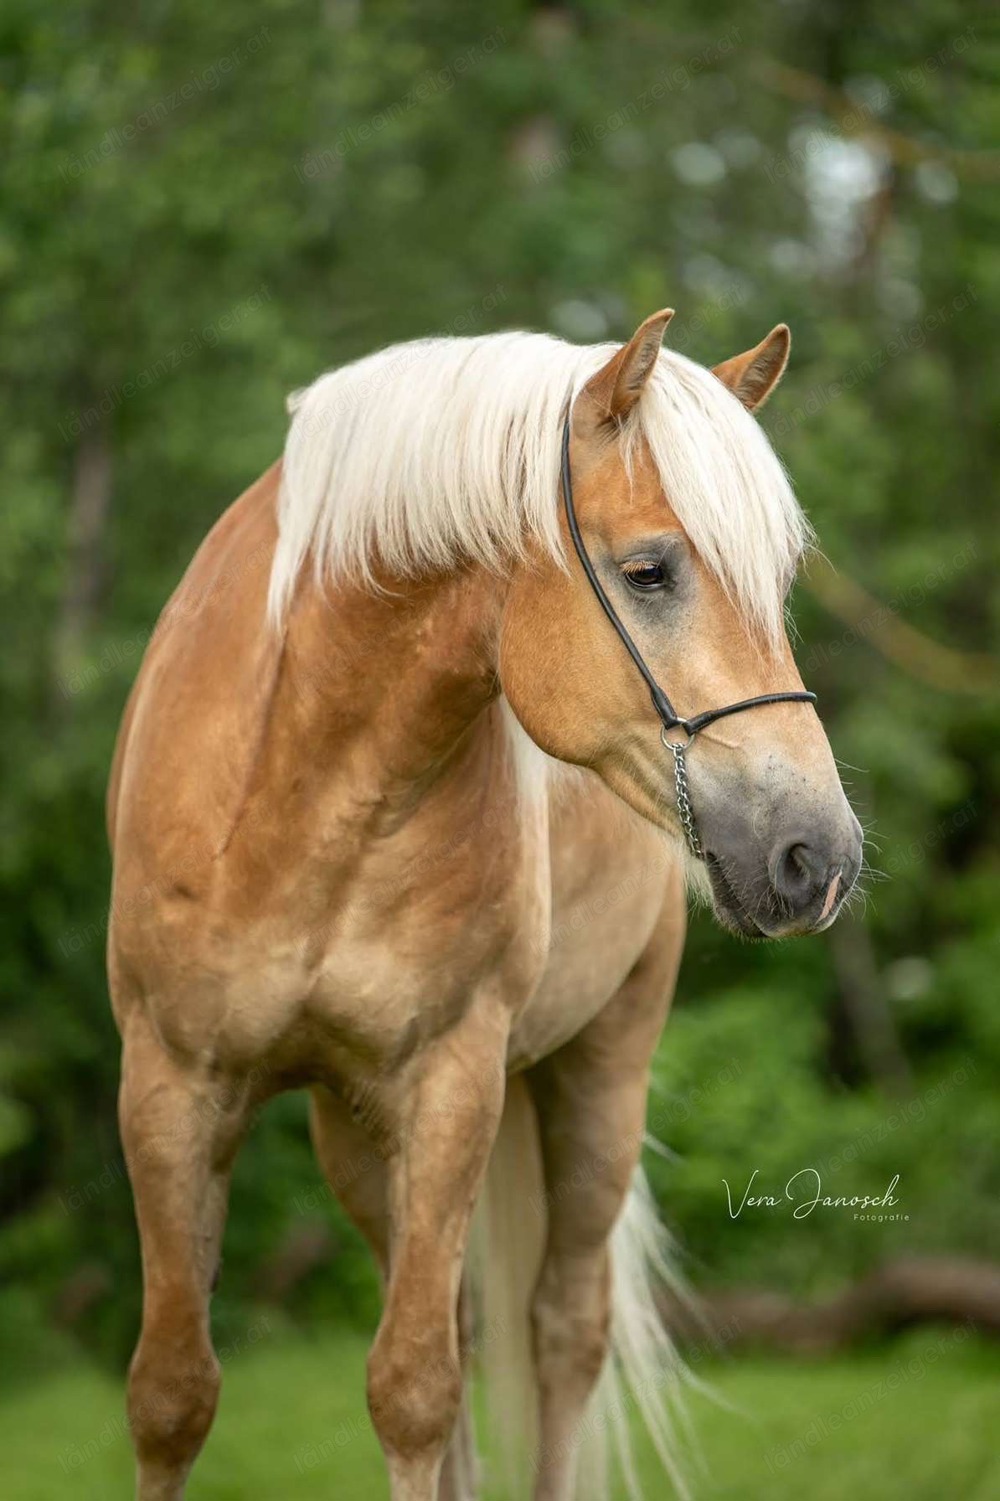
{"points": [[669, 717]]}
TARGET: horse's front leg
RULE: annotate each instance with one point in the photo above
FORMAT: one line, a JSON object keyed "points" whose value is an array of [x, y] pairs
{"points": [[591, 1102], [446, 1125], [181, 1126]]}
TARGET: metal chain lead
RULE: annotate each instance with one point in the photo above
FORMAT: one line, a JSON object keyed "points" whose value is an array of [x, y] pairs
{"points": [[684, 809]]}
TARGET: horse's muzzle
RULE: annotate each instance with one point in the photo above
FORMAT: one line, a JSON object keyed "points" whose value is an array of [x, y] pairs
{"points": [[800, 888]]}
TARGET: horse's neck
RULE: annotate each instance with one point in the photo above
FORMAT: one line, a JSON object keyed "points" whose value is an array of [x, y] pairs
{"points": [[261, 761], [382, 696]]}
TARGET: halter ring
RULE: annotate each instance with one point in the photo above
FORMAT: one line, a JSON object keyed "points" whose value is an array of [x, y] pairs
{"points": [[677, 745]]}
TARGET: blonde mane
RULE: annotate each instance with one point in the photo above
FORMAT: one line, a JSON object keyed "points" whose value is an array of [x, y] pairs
{"points": [[429, 454]]}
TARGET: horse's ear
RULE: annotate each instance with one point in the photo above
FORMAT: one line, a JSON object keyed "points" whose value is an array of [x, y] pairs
{"points": [[753, 376], [617, 386]]}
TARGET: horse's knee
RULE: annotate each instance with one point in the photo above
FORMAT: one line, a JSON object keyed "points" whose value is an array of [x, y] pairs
{"points": [[414, 1394], [173, 1392]]}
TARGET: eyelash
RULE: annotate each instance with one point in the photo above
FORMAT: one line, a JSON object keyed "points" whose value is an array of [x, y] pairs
{"points": [[639, 565]]}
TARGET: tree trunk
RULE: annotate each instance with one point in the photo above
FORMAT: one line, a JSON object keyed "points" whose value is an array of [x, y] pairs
{"points": [[90, 505], [921, 1289], [866, 1007]]}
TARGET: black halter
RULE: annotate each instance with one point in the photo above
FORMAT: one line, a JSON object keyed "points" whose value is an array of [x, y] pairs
{"points": [[671, 720]]}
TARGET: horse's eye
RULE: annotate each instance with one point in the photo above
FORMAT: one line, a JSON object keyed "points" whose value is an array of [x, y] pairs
{"points": [[645, 575]]}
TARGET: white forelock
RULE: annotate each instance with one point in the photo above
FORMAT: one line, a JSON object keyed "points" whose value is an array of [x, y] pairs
{"points": [[430, 454]]}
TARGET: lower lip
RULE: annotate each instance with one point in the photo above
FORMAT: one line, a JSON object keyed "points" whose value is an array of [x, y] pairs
{"points": [[752, 928], [745, 922]]}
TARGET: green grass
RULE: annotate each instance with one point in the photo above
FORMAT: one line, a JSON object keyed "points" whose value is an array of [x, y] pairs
{"points": [[917, 1419]]}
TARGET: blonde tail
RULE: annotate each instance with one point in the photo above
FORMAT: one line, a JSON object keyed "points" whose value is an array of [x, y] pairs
{"points": [[642, 1374]]}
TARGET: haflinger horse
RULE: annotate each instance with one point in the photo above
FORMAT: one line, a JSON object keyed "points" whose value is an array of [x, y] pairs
{"points": [[401, 813]]}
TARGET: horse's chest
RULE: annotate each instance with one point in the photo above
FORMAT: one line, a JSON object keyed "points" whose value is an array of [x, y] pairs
{"points": [[609, 878], [420, 936]]}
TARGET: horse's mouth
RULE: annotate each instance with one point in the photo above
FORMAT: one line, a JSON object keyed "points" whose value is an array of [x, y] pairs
{"points": [[733, 914], [729, 910]]}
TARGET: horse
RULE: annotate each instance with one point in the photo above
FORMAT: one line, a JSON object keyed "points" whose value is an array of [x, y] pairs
{"points": [[396, 820]]}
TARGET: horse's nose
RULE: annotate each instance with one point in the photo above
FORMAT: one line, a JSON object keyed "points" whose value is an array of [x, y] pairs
{"points": [[803, 874], [812, 871]]}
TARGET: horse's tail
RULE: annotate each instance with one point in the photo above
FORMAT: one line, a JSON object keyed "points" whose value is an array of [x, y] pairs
{"points": [[642, 1374]]}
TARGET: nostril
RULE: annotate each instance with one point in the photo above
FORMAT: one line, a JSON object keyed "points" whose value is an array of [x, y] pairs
{"points": [[797, 873]]}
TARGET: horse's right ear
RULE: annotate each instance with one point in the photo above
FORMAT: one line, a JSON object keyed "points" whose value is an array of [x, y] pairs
{"points": [[611, 394], [753, 376]]}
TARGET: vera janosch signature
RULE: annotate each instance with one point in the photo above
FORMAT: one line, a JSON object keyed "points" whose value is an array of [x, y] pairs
{"points": [[809, 1182]]}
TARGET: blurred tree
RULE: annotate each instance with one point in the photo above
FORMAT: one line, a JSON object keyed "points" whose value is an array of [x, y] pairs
{"points": [[202, 208]]}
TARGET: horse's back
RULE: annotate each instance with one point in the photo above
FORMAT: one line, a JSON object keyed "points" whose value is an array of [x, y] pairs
{"points": [[203, 659], [185, 744]]}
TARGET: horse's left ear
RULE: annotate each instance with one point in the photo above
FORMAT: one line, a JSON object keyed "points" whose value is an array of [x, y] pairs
{"points": [[753, 376]]}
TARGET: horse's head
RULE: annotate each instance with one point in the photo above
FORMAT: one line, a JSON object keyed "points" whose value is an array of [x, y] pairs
{"points": [[694, 535]]}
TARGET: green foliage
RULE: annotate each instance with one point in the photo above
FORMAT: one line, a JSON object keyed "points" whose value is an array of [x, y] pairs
{"points": [[202, 208], [743, 1089]]}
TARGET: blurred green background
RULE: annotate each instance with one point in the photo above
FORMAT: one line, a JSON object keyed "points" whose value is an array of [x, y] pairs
{"points": [[203, 207]]}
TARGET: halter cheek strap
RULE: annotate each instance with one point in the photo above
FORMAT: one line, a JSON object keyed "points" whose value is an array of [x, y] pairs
{"points": [[670, 719]]}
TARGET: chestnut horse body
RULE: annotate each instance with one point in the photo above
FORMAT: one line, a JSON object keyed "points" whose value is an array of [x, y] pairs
{"points": [[350, 855]]}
